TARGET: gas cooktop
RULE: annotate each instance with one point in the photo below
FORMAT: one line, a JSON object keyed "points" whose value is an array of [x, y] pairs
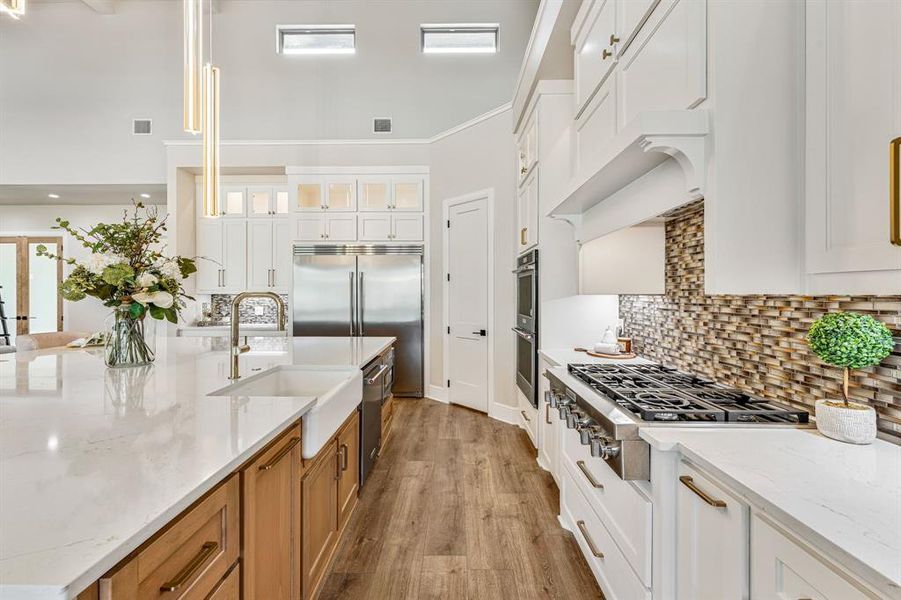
{"points": [[657, 393]]}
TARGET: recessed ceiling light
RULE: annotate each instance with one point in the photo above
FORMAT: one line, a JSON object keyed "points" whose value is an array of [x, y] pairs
{"points": [[145, 195], [54, 196]]}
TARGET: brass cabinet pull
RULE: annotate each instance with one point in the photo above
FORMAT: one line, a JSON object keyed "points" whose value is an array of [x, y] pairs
{"points": [[344, 458], [606, 54], [522, 236], [613, 39], [895, 190], [547, 414], [523, 170], [525, 416], [188, 571], [281, 454], [588, 476], [688, 482], [338, 464], [597, 553]]}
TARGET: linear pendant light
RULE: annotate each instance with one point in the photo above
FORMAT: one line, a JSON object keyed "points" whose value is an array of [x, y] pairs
{"points": [[210, 141], [14, 8], [193, 59]]}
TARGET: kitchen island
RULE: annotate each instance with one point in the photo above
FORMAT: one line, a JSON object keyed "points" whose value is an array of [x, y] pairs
{"points": [[95, 461]]}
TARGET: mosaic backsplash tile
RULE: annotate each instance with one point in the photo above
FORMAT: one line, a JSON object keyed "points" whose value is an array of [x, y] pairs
{"points": [[755, 343], [221, 308]]}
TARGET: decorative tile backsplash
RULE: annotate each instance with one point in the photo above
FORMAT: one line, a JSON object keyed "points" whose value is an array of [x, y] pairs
{"points": [[755, 343], [221, 308]]}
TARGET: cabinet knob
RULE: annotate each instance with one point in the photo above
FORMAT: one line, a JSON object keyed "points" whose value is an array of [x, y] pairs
{"points": [[606, 54], [613, 39], [522, 170]]}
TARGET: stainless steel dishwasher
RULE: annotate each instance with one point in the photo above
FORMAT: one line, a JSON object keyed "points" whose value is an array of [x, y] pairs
{"points": [[376, 388]]}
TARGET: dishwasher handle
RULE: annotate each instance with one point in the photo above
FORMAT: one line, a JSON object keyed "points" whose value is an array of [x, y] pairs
{"points": [[374, 378]]}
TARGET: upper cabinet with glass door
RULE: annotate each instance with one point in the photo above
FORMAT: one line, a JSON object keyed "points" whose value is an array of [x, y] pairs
{"points": [[326, 193], [233, 201], [379, 193], [267, 202]]}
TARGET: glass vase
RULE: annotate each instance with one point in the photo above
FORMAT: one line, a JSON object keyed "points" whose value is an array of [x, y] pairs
{"points": [[129, 341]]}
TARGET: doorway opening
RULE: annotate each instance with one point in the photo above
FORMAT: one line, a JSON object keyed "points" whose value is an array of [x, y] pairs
{"points": [[29, 287]]}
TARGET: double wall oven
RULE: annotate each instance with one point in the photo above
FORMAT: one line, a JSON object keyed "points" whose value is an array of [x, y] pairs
{"points": [[526, 328]]}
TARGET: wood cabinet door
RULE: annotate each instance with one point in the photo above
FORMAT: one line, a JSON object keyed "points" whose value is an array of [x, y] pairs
{"points": [[349, 454], [234, 251], [407, 194], [309, 228], [341, 227], [407, 228], [229, 588], [209, 252], [374, 193], [272, 521], [712, 539], [375, 227], [259, 253], [320, 516], [282, 257], [853, 113]]}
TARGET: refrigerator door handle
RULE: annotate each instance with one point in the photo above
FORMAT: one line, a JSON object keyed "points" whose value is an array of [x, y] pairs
{"points": [[351, 278], [361, 304]]}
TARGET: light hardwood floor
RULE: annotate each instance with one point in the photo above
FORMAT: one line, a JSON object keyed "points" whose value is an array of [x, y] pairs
{"points": [[457, 507]]}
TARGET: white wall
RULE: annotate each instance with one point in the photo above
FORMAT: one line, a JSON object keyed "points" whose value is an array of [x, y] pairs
{"points": [[85, 315], [72, 80], [477, 158]]}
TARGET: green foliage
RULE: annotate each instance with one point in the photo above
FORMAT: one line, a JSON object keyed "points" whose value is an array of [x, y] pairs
{"points": [[126, 266], [850, 340]]}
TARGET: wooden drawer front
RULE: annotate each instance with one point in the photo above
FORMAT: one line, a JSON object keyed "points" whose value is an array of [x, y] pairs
{"points": [[665, 67], [387, 414], [189, 558], [783, 569], [230, 587], [611, 569], [626, 512]]}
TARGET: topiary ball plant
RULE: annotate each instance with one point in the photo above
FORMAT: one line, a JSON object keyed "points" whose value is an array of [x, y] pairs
{"points": [[851, 341]]}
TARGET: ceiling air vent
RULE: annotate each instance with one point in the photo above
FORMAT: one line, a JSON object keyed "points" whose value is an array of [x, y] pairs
{"points": [[381, 125], [142, 126]]}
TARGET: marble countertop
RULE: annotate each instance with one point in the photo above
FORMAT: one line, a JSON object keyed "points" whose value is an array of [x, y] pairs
{"points": [[224, 329], [844, 499], [93, 461]]}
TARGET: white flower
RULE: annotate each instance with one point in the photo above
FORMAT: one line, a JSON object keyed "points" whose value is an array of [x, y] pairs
{"points": [[146, 279], [161, 299], [98, 262], [169, 269]]}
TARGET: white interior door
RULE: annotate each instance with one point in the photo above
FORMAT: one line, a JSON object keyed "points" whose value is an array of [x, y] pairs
{"points": [[467, 294]]}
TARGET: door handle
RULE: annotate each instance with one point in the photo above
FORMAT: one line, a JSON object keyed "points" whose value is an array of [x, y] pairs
{"points": [[689, 482], [344, 457], [481, 332], [523, 334], [350, 277], [895, 190], [375, 377], [362, 304]]}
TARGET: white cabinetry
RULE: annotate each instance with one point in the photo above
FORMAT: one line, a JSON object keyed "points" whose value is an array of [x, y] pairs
{"points": [[264, 202], [222, 253], [527, 212], [782, 567], [528, 416], [594, 41], [548, 424], [712, 539], [338, 227], [269, 254], [853, 113], [376, 227], [232, 201]]}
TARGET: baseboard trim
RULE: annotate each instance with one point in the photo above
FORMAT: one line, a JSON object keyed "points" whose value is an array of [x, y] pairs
{"points": [[507, 414], [437, 393]]}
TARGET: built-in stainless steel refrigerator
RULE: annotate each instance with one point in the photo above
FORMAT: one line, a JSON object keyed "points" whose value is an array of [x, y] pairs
{"points": [[364, 290]]}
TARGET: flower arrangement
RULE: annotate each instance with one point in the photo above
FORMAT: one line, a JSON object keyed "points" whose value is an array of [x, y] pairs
{"points": [[851, 341], [127, 271]]}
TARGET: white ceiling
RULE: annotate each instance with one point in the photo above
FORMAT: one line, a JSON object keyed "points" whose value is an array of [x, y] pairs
{"points": [[81, 194]]}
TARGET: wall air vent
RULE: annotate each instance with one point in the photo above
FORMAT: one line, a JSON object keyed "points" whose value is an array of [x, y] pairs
{"points": [[142, 127], [381, 125]]}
